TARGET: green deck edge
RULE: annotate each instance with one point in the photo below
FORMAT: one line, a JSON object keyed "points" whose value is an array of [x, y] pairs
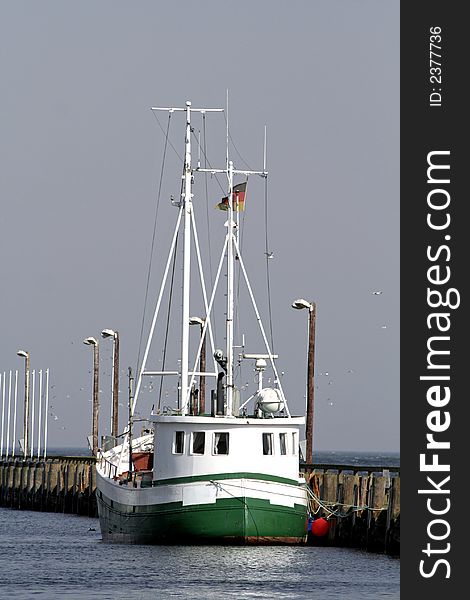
{"points": [[221, 476]]}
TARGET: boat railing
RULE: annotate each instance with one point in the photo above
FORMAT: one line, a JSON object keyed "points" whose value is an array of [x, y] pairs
{"points": [[109, 469]]}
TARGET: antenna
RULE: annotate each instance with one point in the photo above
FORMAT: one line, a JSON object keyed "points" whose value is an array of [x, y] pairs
{"points": [[264, 152], [199, 149], [226, 151]]}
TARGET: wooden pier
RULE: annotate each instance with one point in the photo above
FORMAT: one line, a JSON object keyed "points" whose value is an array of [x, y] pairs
{"points": [[360, 504], [57, 484]]}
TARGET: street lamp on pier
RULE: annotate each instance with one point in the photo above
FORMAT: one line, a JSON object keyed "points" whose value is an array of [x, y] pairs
{"points": [[107, 333], [312, 310], [91, 341], [25, 355]]}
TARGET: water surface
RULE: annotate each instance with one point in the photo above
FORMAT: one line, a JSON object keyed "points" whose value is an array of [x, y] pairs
{"points": [[54, 556]]}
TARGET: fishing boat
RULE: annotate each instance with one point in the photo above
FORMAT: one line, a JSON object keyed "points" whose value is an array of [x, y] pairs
{"points": [[228, 474]]}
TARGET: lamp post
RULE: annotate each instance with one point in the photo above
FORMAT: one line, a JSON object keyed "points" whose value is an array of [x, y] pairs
{"points": [[312, 309], [106, 333], [91, 341], [202, 364], [25, 355]]}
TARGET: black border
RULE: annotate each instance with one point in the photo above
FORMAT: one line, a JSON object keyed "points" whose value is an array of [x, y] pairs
{"points": [[424, 129]]}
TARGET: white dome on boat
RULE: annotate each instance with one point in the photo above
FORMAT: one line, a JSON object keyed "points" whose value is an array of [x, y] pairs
{"points": [[269, 400]]}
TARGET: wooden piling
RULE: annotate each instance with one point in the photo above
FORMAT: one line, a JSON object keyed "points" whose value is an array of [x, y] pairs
{"points": [[362, 508], [57, 484]]}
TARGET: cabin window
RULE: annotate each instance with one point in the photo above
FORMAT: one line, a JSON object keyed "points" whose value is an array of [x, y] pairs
{"points": [[178, 447], [221, 443], [283, 443], [295, 447], [267, 443], [199, 438]]}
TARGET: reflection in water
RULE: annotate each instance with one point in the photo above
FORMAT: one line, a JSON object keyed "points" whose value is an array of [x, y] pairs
{"points": [[57, 556]]}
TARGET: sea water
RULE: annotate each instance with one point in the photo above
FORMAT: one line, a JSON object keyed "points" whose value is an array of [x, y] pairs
{"points": [[55, 556]]}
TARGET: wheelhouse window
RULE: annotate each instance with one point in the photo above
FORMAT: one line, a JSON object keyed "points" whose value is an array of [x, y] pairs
{"points": [[199, 440], [295, 446], [221, 442], [178, 444], [267, 443], [283, 443]]}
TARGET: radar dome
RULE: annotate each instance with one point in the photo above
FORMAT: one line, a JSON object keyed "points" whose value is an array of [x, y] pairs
{"points": [[269, 400]]}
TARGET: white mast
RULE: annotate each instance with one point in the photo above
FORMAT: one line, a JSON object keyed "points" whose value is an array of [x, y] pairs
{"points": [[230, 278], [187, 208]]}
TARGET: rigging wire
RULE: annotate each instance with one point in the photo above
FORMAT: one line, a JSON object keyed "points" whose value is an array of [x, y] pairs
{"points": [[153, 235], [234, 146], [237, 296], [165, 344], [169, 141], [206, 161], [207, 198], [267, 253]]}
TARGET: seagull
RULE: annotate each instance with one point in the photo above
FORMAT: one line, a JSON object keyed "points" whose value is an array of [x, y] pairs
{"points": [[384, 327], [377, 292]]}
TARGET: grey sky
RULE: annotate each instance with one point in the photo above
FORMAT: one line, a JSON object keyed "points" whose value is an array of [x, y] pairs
{"points": [[80, 155]]}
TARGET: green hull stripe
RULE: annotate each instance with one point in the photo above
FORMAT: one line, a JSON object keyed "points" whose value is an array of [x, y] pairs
{"points": [[220, 476]]}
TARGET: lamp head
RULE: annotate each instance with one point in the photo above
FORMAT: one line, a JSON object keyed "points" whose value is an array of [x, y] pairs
{"points": [[301, 303], [90, 341], [106, 333], [196, 321], [23, 353]]}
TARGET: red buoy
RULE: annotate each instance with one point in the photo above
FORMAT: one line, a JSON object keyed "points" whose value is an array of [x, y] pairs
{"points": [[320, 527]]}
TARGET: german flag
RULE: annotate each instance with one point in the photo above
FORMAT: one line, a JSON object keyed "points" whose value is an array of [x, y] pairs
{"points": [[238, 198]]}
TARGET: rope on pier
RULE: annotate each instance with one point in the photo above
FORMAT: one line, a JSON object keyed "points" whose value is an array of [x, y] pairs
{"points": [[332, 513]]}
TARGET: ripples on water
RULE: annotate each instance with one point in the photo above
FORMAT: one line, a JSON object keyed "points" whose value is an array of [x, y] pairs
{"points": [[55, 556]]}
